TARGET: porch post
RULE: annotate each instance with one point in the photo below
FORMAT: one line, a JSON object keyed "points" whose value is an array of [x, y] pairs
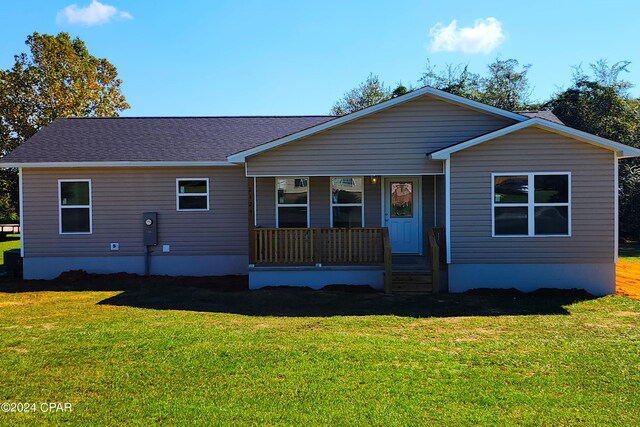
{"points": [[250, 219]]}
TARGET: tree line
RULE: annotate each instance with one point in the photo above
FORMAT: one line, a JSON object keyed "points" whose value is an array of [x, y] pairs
{"points": [[597, 101]]}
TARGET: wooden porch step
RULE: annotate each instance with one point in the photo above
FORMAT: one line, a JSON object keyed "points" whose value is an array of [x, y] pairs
{"points": [[418, 282], [412, 277]]}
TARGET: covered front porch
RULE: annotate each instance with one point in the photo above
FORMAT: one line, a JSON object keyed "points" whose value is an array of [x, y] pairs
{"points": [[381, 231]]}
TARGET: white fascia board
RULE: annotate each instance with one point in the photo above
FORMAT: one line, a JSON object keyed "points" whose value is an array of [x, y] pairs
{"points": [[621, 149], [241, 156], [111, 164], [21, 211]]}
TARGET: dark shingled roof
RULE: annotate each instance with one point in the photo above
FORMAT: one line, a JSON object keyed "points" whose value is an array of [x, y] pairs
{"points": [[547, 115], [164, 139], [148, 139]]}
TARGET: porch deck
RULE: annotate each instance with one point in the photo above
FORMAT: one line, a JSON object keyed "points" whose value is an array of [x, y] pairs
{"points": [[313, 256]]}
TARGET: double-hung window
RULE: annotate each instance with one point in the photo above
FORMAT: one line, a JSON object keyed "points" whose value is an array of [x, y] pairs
{"points": [[532, 204], [192, 194], [75, 214], [347, 202], [292, 202]]}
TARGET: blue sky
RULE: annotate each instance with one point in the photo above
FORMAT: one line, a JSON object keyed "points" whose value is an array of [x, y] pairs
{"points": [[298, 57]]}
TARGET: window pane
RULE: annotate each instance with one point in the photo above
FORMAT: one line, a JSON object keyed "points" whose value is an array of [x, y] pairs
{"points": [[192, 202], [292, 217], [346, 190], [401, 200], [347, 216], [511, 221], [192, 186], [511, 189], [292, 191], [75, 220], [552, 220], [552, 188], [74, 193]]}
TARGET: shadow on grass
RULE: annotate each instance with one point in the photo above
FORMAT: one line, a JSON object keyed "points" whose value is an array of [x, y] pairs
{"points": [[231, 295], [629, 250]]}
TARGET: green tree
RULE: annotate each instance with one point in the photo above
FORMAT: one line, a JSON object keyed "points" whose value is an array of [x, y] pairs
{"points": [[370, 92], [400, 90], [57, 78], [457, 80], [505, 86], [599, 103]]}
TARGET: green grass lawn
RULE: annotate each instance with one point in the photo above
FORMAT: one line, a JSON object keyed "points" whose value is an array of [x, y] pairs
{"points": [[168, 355], [12, 242]]}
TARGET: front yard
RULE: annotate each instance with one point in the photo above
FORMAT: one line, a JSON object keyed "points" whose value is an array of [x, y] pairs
{"points": [[131, 353], [168, 355]]}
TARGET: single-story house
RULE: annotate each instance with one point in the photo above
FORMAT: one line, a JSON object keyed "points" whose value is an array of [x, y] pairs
{"points": [[425, 191]]}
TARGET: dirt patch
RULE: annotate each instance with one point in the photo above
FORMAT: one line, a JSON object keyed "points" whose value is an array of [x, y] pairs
{"points": [[80, 280], [353, 289], [578, 294], [10, 303], [510, 292], [627, 313], [628, 278]]}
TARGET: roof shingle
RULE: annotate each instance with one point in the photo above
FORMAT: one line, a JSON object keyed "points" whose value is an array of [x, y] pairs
{"points": [[150, 139], [547, 115]]}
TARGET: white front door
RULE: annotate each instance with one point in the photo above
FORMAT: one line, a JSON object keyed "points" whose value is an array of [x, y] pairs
{"points": [[402, 214]]}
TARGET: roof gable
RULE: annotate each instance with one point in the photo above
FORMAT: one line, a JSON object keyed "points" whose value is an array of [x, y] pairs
{"points": [[241, 156], [621, 149]]}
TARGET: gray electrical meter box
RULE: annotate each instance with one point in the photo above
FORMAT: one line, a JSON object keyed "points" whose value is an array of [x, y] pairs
{"points": [[150, 228]]}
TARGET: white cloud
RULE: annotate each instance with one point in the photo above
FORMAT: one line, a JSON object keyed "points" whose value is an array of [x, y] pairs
{"points": [[483, 37], [94, 14]]}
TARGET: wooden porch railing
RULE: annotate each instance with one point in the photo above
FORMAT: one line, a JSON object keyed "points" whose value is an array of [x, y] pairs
{"points": [[388, 267], [273, 246], [436, 254]]}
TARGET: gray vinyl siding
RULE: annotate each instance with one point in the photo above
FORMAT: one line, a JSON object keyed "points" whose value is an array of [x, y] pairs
{"points": [[533, 150], [392, 141], [265, 202], [319, 202], [441, 207], [120, 196], [372, 203]]}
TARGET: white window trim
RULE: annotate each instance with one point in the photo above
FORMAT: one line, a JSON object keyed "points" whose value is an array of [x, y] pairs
{"points": [[60, 207], [295, 205], [345, 205], [530, 205], [178, 194]]}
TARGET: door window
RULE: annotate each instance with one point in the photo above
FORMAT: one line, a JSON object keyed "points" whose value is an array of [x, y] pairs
{"points": [[401, 200]]}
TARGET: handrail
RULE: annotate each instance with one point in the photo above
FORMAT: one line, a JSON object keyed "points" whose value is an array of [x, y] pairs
{"points": [[386, 251], [434, 258]]}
